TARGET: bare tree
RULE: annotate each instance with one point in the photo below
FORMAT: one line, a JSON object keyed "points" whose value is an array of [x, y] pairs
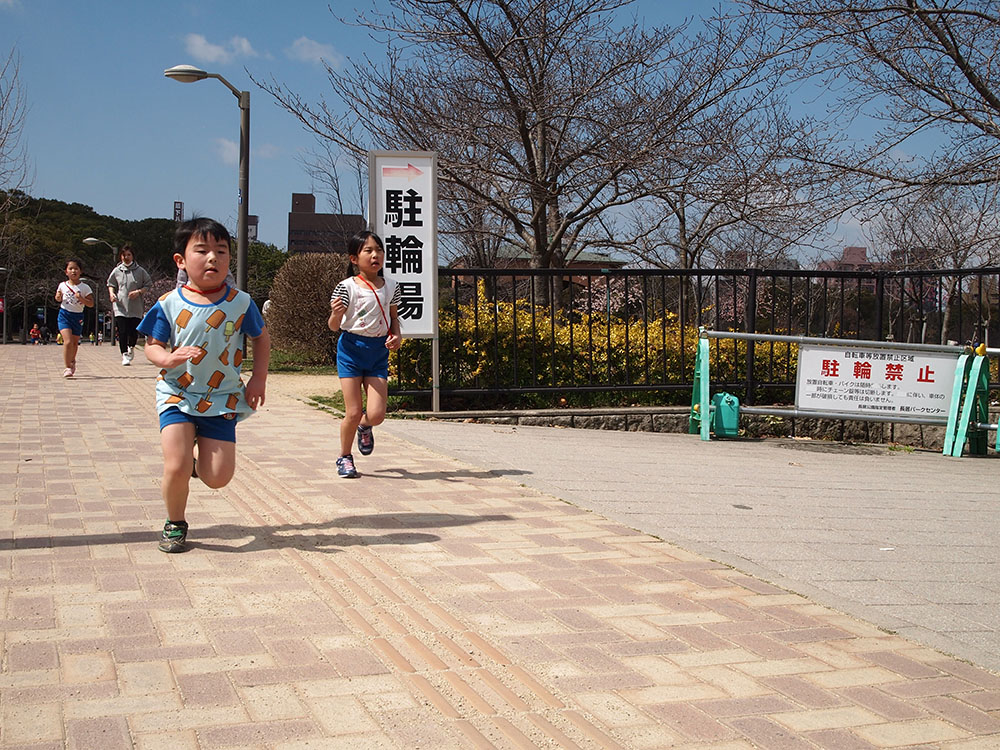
{"points": [[14, 173], [325, 167], [941, 228], [14, 166], [744, 189], [550, 117], [918, 67]]}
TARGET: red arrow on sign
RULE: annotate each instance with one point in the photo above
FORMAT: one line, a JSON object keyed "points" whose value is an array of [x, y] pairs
{"points": [[409, 172]]}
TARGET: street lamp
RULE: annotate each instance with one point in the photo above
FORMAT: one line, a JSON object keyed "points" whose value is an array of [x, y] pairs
{"points": [[97, 288], [6, 277], [190, 74]]}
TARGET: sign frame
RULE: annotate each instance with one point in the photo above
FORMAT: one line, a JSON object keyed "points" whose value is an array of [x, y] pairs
{"points": [[412, 168], [873, 380], [401, 168]]}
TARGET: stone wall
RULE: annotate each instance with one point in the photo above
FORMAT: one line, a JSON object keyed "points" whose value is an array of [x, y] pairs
{"points": [[675, 419]]}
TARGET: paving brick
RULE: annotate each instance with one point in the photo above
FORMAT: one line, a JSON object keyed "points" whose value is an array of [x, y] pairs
{"points": [[803, 692], [840, 717], [145, 678], [199, 690], [26, 724], [691, 723], [928, 687], [963, 715], [107, 733], [256, 734], [839, 739], [23, 657], [910, 733], [769, 734]]}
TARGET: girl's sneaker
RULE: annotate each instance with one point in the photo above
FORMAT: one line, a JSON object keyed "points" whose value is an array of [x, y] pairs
{"points": [[366, 440], [174, 536], [68, 372], [345, 467]]}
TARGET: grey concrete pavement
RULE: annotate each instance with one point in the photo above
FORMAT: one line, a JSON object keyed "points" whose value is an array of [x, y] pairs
{"points": [[435, 602], [907, 541]]}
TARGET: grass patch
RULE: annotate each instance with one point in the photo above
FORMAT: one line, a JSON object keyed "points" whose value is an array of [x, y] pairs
{"points": [[336, 401], [284, 362]]}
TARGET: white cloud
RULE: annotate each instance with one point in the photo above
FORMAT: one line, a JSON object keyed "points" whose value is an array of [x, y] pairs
{"points": [[205, 51], [307, 50], [228, 151], [267, 151]]}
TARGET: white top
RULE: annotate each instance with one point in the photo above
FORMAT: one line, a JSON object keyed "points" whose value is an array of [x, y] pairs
{"points": [[367, 311], [72, 296]]}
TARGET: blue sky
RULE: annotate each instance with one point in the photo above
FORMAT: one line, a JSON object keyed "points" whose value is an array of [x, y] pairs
{"points": [[107, 129]]}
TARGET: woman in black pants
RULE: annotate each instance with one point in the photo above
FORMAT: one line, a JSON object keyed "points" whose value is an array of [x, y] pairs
{"points": [[126, 284]]}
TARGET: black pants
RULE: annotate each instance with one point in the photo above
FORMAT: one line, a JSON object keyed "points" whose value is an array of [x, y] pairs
{"points": [[127, 335]]}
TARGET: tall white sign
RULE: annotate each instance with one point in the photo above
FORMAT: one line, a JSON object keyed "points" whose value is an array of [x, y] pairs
{"points": [[403, 212]]}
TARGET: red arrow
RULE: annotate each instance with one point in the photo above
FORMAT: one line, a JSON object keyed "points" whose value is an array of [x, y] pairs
{"points": [[409, 172]]}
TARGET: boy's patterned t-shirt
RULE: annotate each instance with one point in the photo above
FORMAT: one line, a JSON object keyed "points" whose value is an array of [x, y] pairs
{"points": [[210, 384]]}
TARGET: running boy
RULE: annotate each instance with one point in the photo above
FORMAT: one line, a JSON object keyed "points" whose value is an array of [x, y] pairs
{"points": [[196, 334], [364, 308]]}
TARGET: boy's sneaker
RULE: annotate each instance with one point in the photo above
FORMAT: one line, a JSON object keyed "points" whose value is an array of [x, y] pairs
{"points": [[174, 537], [345, 467], [126, 360], [366, 440]]}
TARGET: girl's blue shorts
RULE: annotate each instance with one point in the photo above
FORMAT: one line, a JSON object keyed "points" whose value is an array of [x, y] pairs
{"points": [[362, 356], [216, 428], [71, 320]]}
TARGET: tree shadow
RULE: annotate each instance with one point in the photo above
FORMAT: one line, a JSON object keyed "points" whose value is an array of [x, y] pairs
{"points": [[457, 475], [294, 536]]}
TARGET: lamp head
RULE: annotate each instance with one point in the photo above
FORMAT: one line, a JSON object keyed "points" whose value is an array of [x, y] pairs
{"points": [[185, 73]]}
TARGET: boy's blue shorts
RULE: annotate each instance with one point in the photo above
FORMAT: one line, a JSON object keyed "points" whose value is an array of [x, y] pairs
{"points": [[71, 320], [362, 356], [216, 428]]}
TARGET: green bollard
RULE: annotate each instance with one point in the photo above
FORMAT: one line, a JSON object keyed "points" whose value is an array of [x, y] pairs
{"points": [[725, 415]]}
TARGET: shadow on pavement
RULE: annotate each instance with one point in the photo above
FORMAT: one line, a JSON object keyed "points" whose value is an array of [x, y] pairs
{"points": [[459, 475], [275, 537]]}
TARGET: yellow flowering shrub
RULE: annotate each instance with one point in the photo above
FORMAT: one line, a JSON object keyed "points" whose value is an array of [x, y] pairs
{"points": [[503, 347]]}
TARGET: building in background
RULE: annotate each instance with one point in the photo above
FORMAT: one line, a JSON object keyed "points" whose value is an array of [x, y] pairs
{"points": [[310, 232]]}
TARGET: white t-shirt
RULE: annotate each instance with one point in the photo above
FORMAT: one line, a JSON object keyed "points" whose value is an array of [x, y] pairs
{"points": [[367, 311], [72, 297]]}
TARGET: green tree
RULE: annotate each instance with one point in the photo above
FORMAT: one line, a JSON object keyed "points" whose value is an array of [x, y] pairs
{"points": [[264, 260]]}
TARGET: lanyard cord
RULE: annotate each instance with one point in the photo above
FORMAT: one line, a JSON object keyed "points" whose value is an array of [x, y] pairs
{"points": [[388, 328]]}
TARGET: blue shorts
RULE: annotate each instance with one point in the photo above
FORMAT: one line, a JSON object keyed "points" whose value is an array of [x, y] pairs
{"points": [[216, 428], [362, 356], [71, 320]]}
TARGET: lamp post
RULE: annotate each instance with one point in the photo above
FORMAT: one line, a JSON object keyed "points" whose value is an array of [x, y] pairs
{"points": [[97, 287], [6, 276], [190, 74]]}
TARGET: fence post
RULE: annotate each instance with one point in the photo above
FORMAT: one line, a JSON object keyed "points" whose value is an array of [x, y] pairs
{"points": [[751, 327], [879, 298]]}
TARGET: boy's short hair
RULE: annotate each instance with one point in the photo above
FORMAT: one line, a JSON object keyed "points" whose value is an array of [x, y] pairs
{"points": [[199, 227]]}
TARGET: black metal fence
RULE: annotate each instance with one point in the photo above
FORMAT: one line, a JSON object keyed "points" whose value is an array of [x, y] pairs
{"points": [[552, 334]]}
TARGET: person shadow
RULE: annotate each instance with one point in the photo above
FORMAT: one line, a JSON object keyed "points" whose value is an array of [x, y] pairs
{"points": [[301, 536]]}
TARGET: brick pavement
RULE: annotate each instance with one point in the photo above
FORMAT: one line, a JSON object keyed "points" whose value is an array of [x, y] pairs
{"points": [[427, 604]]}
